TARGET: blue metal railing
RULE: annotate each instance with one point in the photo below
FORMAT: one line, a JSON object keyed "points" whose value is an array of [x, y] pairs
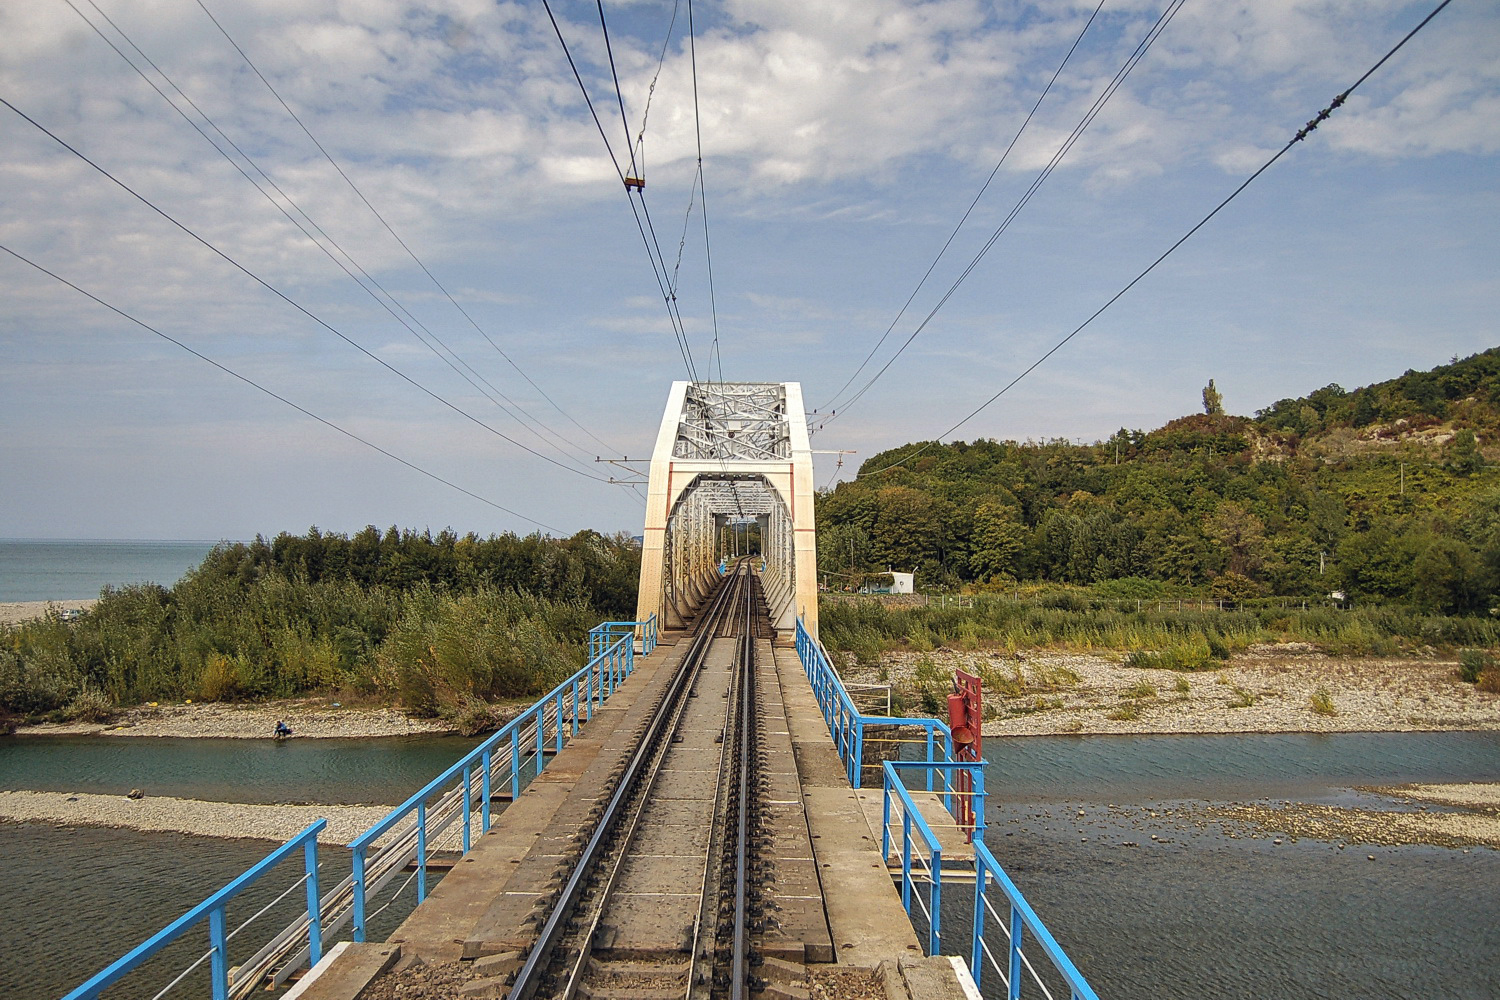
{"points": [[921, 850], [847, 724], [605, 633], [1017, 920], [612, 659], [212, 910], [511, 756]]}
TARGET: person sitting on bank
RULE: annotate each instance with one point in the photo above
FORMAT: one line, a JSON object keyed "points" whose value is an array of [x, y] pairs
{"points": [[282, 730]]}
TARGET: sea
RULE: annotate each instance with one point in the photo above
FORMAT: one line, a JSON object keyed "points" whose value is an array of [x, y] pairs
{"points": [[70, 569]]}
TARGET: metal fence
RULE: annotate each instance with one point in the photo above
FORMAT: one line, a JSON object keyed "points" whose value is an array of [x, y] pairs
{"points": [[972, 920], [438, 818]]}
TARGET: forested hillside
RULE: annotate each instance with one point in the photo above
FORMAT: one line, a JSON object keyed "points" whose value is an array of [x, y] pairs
{"points": [[1385, 492]]}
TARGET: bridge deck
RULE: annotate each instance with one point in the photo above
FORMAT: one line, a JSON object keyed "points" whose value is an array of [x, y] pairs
{"points": [[835, 900]]}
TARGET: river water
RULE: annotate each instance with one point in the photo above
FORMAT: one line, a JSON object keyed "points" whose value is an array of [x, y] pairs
{"points": [[1192, 914]]}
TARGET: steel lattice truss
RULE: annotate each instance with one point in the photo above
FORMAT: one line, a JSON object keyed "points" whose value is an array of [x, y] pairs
{"points": [[737, 498], [743, 421]]}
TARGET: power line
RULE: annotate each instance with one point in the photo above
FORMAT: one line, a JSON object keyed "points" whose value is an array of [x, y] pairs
{"points": [[708, 255], [274, 395], [1301, 134], [635, 170], [487, 389], [388, 228], [286, 298], [1062, 151], [970, 210], [658, 260]]}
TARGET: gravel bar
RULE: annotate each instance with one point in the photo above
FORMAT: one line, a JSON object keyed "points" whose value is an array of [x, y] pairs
{"points": [[160, 813]]}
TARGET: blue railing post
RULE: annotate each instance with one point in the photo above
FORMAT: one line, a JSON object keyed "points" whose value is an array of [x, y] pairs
{"points": [[1017, 928], [468, 805], [359, 895], [219, 961], [976, 788], [981, 880], [935, 901], [885, 821], [421, 851], [906, 858], [484, 790], [515, 763], [314, 906]]}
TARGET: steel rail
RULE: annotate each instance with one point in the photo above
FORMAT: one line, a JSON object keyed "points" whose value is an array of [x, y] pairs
{"points": [[538, 959], [701, 959], [739, 961], [640, 802]]}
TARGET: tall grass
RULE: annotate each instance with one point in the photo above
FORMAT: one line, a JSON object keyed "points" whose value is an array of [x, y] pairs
{"points": [[1189, 639], [221, 639]]}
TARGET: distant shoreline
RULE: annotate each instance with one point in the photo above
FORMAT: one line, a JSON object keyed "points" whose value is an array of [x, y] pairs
{"points": [[17, 612]]}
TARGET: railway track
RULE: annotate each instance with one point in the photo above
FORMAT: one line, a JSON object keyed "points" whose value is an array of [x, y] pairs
{"points": [[662, 901]]}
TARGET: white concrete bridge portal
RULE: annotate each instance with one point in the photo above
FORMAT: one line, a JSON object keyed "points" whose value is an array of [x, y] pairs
{"points": [[730, 453]]}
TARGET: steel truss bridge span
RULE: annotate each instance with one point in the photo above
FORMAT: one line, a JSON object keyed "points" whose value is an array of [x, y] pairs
{"points": [[728, 454]]}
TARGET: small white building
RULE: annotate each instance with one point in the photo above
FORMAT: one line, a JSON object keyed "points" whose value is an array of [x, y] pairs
{"points": [[903, 583]]}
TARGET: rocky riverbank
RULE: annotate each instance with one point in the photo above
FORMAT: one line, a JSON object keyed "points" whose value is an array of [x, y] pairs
{"points": [[316, 718], [1269, 689]]}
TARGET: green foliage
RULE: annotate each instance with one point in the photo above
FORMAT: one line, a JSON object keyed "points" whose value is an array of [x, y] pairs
{"points": [[1472, 663], [1363, 491], [1322, 702], [434, 622], [1213, 400], [1243, 697]]}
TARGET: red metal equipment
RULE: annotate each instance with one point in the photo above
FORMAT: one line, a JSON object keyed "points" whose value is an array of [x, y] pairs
{"points": [[965, 716]]}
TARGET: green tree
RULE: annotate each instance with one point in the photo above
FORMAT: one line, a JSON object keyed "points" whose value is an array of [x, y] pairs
{"points": [[999, 536], [1464, 456], [1213, 401], [1240, 536], [1449, 578]]}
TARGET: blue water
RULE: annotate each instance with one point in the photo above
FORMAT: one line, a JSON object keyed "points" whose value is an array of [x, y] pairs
{"points": [[75, 569], [1191, 914]]}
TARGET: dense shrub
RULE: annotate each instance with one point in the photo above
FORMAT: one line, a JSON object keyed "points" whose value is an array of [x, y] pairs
{"points": [[435, 623]]}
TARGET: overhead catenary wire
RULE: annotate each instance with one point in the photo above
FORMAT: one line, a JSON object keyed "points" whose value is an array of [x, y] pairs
{"points": [[317, 235], [272, 393], [1067, 144], [661, 60], [1300, 135], [287, 298], [388, 228], [658, 261], [943, 250], [717, 355]]}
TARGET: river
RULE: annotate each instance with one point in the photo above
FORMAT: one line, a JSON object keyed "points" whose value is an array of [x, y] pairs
{"points": [[1191, 914]]}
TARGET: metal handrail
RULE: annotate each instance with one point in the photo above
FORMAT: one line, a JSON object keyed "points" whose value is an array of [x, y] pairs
{"points": [[593, 683], [911, 815], [212, 909], [846, 723], [1022, 918]]}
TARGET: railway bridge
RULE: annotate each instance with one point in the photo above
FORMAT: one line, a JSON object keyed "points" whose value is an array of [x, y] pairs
{"points": [[703, 811], [730, 455]]}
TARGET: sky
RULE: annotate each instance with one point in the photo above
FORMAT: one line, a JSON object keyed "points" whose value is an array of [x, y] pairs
{"points": [[518, 330]]}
